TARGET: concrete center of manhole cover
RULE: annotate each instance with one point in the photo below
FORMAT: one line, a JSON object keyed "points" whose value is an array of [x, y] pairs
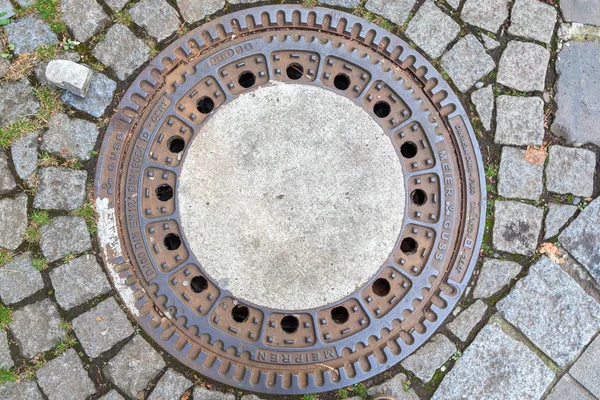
{"points": [[291, 196]]}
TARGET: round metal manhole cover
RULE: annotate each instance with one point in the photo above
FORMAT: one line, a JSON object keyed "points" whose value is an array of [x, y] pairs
{"points": [[291, 200]]}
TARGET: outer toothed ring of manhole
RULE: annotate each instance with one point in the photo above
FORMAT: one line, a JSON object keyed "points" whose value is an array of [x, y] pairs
{"points": [[165, 130]]}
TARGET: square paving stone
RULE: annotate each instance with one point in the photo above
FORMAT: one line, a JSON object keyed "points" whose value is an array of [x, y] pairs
{"points": [[396, 11], [24, 155], [582, 11], [64, 378], [134, 366], [36, 328], [517, 227], [19, 280], [6, 361], [517, 177], [17, 100], [70, 137], [99, 97], [496, 366], [568, 388], [23, 390], [78, 281], [60, 189], [431, 29], [194, 10], [99, 329], [532, 19], [557, 217], [559, 317], [116, 5], [170, 386], [431, 356], [84, 17], [483, 99], [207, 394], [523, 66], [7, 181], [13, 221], [122, 51], [486, 14], [112, 395], [571, 170], [29, 33], [585, 369], [156, 16], [6, 8], [64, 235], [519, 121], [466, 321], [494, 275], [467, 62]]}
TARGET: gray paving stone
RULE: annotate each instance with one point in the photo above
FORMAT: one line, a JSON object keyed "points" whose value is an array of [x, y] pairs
{"points": [[254, 397], [585, 369], [206, 394], [489, 43], [465, 322], [40, 69], [568, 388], [483, 99], [467, 62], [112, 395], [156, 16], [6, 361], [4, 67], [70, 137], [557, 217], [64, 235], [577, 88], [7, 181], [396, 11], [122, 51], [84, 17], [64, 378], [60, 189], [101, 328], [116, 5], [517, 177], [517, 227], [19, 280], [78, 281], [560, 318], [532, 19], [523, 66], [431, 29], [519, 121], [486, 14], [429, 357], [17, 93], [570, 170], [36, 328], [170, 386], [134, 366], [24, 155], [582, 11], [69, 75], [454, 3], [29, 33], [13, 221], [100, 95], [24, 390], [337, 3], [582, 238], [394, 387], [6, 8], [192, 10], [494, 275]]}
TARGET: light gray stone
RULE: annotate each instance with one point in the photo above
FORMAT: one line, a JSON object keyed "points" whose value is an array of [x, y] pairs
{"points": [[69, 75], [396, 11], [6, 8], [17, 100], [394, 387], [568, 388], [116, 5], [70, 137], [122, 51], [112, 395], [156, 16], [78, 281], [100, 95], [65, 378], [19, 280], [84, 17], [40, 69], [486, 14], [582, 11], [517, 227], [29, 33], [25, 3], [337, 3], [6, 361], [13, 221], [7, 181], [36, 328], [24, 155], [431, 29], [496, 366], [134, 366], [429, 357], [585, 369], [467, 62], [523, 66], [454, 3], [489, 43], [570, 170], [517, 177], [494, 275], [483, 99], [255, 397], [192, 10], [577, 88], [465, 322], [170, 386], [519, 120], [5, 66], [532, 19], [64, 235], [206, 394], [23, 390], [560, 318], [557, 217], [60, 189]]}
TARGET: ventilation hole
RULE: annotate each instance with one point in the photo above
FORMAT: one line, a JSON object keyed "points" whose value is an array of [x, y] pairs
{"points": [[382, 109], [289, 324], [172, 241], [199, 284], [409, 245], [341, 81], [419, 197], [176, 144], [340, 315], [381, 287], [295, 71], [205, 105], [408, 149], [246, 79], [164, 192], [240, 313]]}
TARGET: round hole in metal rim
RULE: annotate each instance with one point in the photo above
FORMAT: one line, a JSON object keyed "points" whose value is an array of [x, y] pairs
{"points": [[382, 109], [240, 313], [205, 105], [295, 71], [164, 192], [409, 245], [340, 315], [408, 149], [341, 81], [381, 287], [290, 324], [172, 241], [198, 284], [176, 144], [246, 79], [418, 197]]}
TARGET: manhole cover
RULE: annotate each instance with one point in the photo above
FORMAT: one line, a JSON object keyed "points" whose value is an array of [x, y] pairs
{"points": [[291, 200]]}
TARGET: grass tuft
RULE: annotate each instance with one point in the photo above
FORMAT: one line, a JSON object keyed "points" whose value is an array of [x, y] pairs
{"points": [[7, 375], [5, 316]]}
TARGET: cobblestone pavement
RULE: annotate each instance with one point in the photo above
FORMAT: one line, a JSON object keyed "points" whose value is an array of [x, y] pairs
{"points": [[528, 325]]}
